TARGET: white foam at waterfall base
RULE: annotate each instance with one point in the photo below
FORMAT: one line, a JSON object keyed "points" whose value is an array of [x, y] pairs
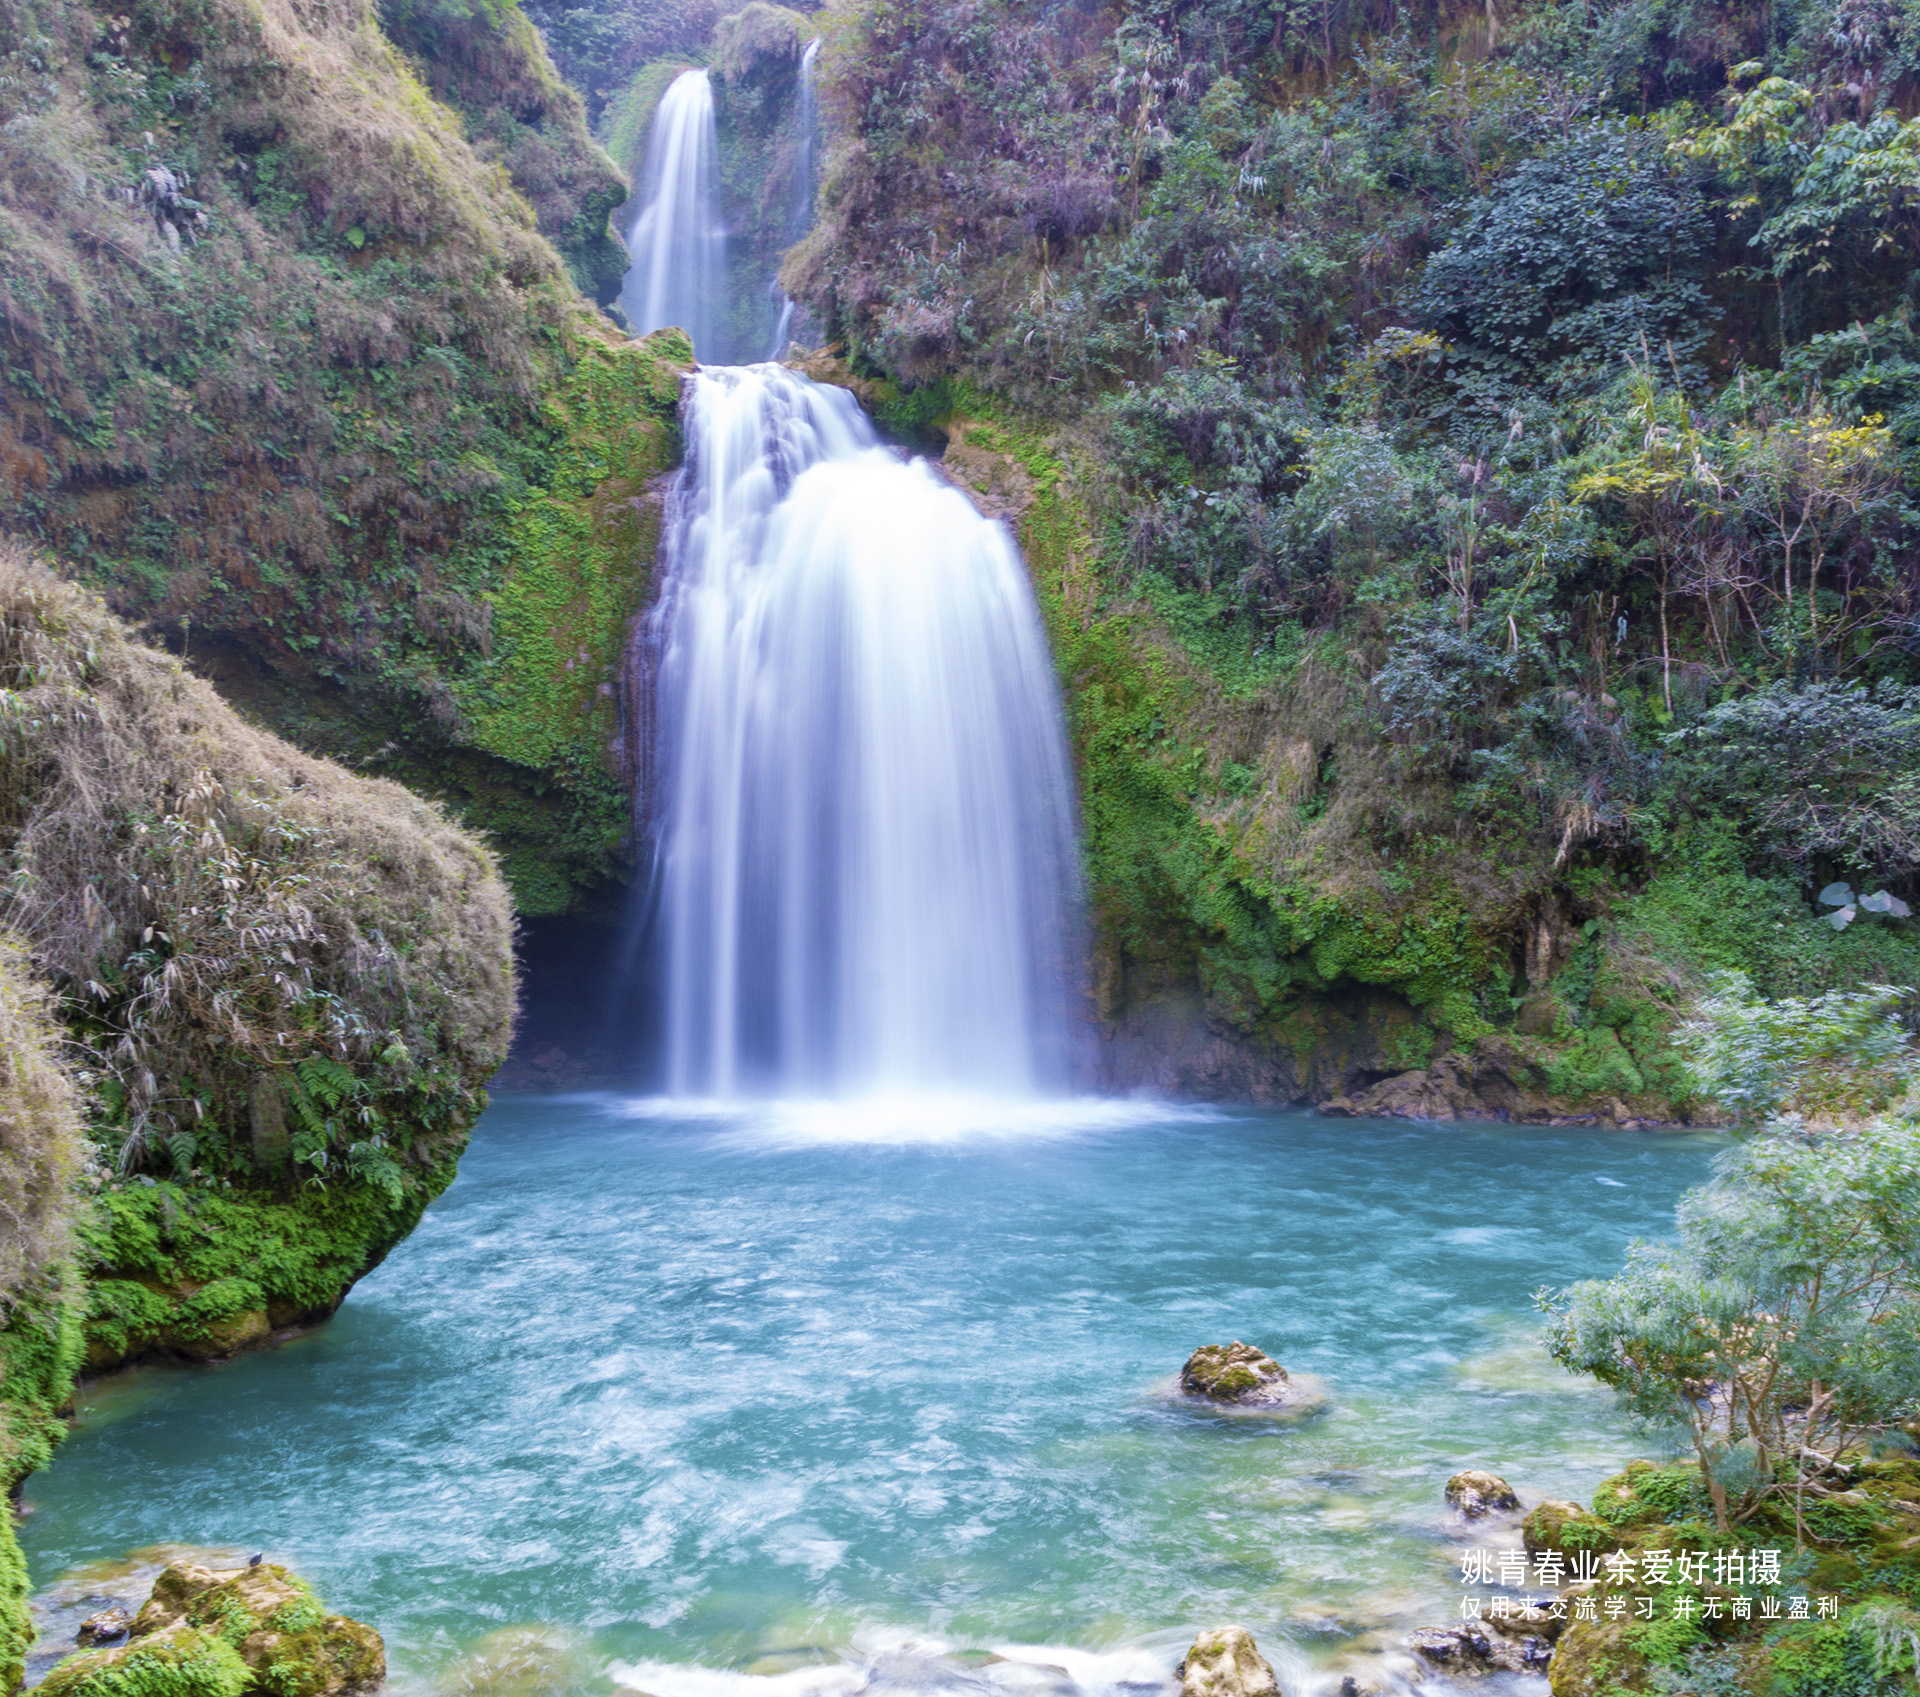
{"points": [[863, 807], [678, 241], [908, 1118]]}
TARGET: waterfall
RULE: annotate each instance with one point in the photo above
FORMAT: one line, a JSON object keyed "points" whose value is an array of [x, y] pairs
{"points": [[807, 122], [679, 243], [863, 815]]}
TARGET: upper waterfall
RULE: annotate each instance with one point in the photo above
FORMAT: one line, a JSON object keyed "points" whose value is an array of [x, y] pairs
{"points": [[679, 240], [862, 803]]}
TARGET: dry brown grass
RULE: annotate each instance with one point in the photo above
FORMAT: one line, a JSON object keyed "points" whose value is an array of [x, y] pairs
{"points": [[216, 908], [42, 1146]]}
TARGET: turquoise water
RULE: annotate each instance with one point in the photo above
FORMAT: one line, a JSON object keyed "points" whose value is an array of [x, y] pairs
{"points": [[752, 1392]]}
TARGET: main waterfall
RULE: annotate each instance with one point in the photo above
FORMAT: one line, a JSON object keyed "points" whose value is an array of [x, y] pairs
{"points": [[679, 241], [862, 807]]}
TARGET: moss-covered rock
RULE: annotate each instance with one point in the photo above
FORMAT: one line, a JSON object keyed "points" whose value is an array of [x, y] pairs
{"points": [[200, 1273], [207, 1632], [289, 971], [181, 1662], [1233, 1372], [1475, 1494], [1564, 1529]]}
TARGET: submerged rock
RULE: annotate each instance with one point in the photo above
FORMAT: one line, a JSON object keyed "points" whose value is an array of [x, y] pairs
{"points": [[1476, 1494], [1234, 1372], [1476, 1647], [211, 1632], [1226, 1663]]}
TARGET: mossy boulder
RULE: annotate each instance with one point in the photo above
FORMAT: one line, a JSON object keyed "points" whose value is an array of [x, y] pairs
{"points": [[1593, 1659], [1226, 1663], [1642, 1494], [1565, 1528], [181, 1662], [208, 1632], [1233, 1372]]}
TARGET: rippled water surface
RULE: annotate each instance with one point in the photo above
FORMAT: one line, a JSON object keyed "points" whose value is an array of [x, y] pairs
{"points": [[740, 1392]]}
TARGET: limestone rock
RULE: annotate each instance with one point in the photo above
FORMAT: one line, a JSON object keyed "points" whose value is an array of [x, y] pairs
{"points": [[1476, 1494], [1226, 1663], [1233, 1372], [211, 1632], [103, 1628]]}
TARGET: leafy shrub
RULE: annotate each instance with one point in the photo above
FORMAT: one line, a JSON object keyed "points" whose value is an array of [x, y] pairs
{"points": [[1574, 262], [1825, 769], [1794, 1287]]}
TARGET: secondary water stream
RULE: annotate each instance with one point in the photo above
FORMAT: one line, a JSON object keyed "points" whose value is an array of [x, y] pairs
{"points": [[797, 1400]]}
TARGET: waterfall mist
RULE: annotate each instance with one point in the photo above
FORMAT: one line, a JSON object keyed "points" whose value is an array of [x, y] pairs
{"points": [[679, 240], [863, 820]]}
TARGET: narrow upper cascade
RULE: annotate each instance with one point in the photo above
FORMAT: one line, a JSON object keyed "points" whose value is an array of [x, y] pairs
{"points": [[806, 122], [679, 241], [862, 802]]}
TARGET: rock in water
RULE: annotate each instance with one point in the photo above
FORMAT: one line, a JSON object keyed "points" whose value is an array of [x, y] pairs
{"points": [[227, 1633], [103, 1628], [1234, 1372], [1225, 1661], [1476, 1494]]}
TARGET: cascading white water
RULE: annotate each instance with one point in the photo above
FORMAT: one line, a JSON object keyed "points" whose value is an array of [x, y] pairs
{"points": [[863, 811], [679, 241], [806, 121]]}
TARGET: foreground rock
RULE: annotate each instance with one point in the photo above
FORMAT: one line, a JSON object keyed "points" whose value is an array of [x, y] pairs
{"points": [[1226, 1663], [1476, 1494], [211, 1632], [1236, 1373]]}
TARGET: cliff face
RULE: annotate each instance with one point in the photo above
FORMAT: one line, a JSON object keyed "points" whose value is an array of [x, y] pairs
{"points": [[291, 374]]}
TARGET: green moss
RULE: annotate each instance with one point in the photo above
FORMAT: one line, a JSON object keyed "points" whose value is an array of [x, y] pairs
{"points": [[172, 1263], [1171, 894], [543, 707], [41, 1348], [182, 1664], [16, 1620], [1665, 1643], [1643, 1495]]}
